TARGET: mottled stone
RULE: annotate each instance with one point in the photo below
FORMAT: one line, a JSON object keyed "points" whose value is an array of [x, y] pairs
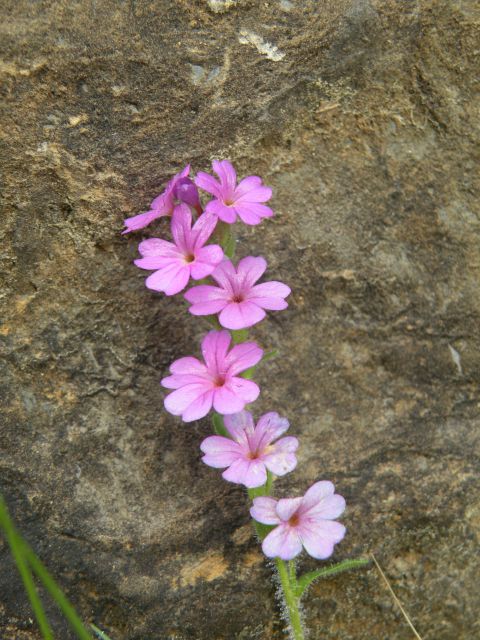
{"points": [[363, 117]]}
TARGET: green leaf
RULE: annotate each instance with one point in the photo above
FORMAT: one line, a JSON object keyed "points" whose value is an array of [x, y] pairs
{"points": [[14, 542], [229, 246], [101, 634], [219, 426], [239, 335], [270, 480], [307, 579], [213, 320], [248, 373], [262, 530], [273, 353]]}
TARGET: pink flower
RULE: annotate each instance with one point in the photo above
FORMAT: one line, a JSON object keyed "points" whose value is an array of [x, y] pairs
{"points": [[240, 303], [307, 522], [175, 263], [231, 199], [179, 189], [199, 386], [250, 452]]}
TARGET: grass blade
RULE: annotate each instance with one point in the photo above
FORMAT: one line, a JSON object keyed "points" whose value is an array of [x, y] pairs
{"points": [[15, 545], [101, 634], [57, 594]]}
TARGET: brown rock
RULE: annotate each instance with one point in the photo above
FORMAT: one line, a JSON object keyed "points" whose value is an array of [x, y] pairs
{"points": [[363, 117]]}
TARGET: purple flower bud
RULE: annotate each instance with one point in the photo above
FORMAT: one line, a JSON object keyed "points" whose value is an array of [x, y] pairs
{"points": [[186, 191]]}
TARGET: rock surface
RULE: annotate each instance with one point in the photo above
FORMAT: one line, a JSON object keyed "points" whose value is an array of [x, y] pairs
{"points": [[363, 117]]}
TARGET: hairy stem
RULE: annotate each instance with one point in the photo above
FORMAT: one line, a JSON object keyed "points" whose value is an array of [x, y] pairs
{"points": [[288, 582]]}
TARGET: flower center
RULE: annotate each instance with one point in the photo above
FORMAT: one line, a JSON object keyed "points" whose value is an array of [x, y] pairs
{"points": [[219, 381], [189, 258], [293, 522], [229, 202], [237, 298]]}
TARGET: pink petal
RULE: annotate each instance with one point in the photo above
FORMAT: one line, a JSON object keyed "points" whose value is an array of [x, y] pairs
{"points": [[227, 214], [237, 423], [220, 452], [205, 293], [243, 356], [252, 212], [286, 507], [270, 295], [165, 199], [283, 542], [199, 407], [167, 254], [240, 315], [176, 381], [282, 459], [249, 270], [247, 390], [203, 229], [170, 279], [263, 510], [250, 473], [205, 300], [187, 365], [154, 247], [141, 220], [177, 401], [208, 183], [319, 539], [327, 508], [226, 400], [257, 194], [269, 427], [316, 493], [151, 263], [227, 175], [225, 275], [206, 261], [247, 184], [207, 308], [181, 227], [214, 350], [163, 202]]}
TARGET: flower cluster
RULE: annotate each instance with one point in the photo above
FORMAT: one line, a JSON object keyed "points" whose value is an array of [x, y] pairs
{"points": [[251, 454]]}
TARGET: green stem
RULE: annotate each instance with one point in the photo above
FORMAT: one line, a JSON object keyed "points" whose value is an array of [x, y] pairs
{"points": [[346, 565], [17, 552], [288, 583]]}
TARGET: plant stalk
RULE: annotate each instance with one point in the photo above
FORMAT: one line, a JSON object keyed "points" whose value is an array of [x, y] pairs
{"points": [[286, 575]]}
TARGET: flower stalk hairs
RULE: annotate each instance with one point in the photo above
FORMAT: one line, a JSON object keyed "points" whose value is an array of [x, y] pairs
{"points": [[250, 453]]}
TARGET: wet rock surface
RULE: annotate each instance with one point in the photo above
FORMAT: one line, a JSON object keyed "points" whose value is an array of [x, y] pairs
{"points": [[363, 117]]}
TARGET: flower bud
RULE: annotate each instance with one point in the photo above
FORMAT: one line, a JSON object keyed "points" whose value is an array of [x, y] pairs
{"points": [[186, 191]]}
